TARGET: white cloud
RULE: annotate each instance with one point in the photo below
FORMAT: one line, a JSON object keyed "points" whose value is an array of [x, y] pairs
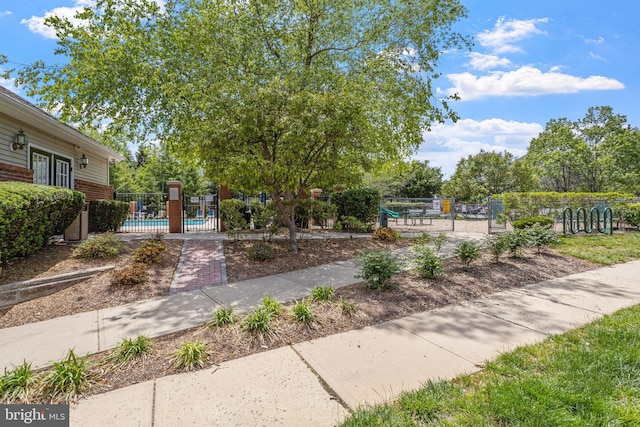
{"points": [[597, 57], [5, 13], [445, 145], [480, 61], [505, 33], [525, 81], [599, 40], [36, 23], [9, 84]]}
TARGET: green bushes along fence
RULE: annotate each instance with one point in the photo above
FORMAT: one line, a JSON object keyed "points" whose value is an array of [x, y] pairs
{"points": [[106, 215]]}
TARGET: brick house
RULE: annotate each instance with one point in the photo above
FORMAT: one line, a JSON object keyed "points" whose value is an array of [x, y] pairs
{"points": [[35, 147]]}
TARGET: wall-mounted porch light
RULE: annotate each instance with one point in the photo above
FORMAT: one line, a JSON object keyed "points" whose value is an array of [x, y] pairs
{"points": [[83, 162], [20, 141]]}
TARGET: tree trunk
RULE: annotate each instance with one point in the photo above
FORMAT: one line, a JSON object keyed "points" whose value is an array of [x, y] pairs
{"points": [[288, 212]]}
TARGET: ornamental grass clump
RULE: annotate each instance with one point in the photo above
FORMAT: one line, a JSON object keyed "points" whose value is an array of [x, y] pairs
{"points": [[191, 355], [322, 293], [258, 321], [221, 317], [67, 380], [15, 385], [131, 349], [302, 313]]}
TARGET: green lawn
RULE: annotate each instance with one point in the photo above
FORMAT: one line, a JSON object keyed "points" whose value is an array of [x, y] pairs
{"points": [[586, 377], [603, 249]]}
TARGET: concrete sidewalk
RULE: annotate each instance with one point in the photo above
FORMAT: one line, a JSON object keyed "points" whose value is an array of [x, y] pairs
{"points": [[366, 366]]}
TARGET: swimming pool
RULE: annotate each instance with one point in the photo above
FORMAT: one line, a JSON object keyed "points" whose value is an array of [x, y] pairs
{"points": [[159, 222]]}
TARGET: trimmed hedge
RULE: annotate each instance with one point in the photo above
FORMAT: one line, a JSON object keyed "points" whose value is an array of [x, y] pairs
{"points": [[106, 215], [362, 204], [544, 221], [524, 205], [30, 214]]}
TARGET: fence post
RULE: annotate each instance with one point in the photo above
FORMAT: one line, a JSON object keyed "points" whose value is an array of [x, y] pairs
{"points": [[174, 209]]}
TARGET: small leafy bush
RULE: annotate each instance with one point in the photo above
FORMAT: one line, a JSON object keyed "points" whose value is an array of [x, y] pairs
{"points": [[542, 236], [498, 245], [222, 316], [423, 238], [191, 355], [516, 240], [302, 312], [67, 380], [386, 234], [348, 308], [530, 221], [467, 252], [426, 262], [631, 214], [440, 241], [322, 293], [353, 225], [377, 268], [16, 383], [261, 251], [103, 246], [150, 252], [132, 275], [232, 213], [258, 321], [130, 349]]}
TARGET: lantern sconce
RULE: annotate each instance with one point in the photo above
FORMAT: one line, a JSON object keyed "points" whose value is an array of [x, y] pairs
{"points": [[83, 162], [20, 141]]}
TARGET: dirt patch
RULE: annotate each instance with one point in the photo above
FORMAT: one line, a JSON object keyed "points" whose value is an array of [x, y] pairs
{"points": [[92, 294]]}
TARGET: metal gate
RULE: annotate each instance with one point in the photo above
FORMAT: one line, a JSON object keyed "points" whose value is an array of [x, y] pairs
{"points": [[147, 212], [200, 213], [496, 224]]}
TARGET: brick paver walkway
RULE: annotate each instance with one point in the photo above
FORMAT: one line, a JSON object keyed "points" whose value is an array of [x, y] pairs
{"points": [[201, 264]]}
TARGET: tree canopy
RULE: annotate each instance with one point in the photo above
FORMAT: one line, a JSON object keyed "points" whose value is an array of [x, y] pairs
{"points": [[597, 153], [412, 179], [267, 95]]}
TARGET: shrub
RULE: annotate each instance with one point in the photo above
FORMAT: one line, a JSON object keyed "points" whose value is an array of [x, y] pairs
{"points": [[103, 246], [68, 378], [467, 252], [30, 214], [232, 213], [321, 212], [377, 268], [149, 252], [385, 234], [498, 245], [530, 221], [258, 321], [322, 293], [516, 240], [348, 308], [440, 241], [15, 384], [423, 238], [130, 349], [222, 316], [541, 236], [302, 312], [353, 225], [261, 251], [107, 215], [190, 355], [129, 276], [426, 262], [362, 204], [631, 214]]}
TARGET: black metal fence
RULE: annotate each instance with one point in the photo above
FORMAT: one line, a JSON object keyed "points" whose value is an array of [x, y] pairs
{"points": [[200, 213], [147, 212]]}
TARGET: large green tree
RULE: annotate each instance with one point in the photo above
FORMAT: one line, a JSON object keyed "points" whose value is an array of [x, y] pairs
{"points": [[268, 95], [488, 172], [596, 153], [413, 179]]}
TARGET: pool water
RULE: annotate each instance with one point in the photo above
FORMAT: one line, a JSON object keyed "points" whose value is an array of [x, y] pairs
{"points": [[158, 222]]}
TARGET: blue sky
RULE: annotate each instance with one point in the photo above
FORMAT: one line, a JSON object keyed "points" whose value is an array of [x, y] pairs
{"points": [[532, 61]]}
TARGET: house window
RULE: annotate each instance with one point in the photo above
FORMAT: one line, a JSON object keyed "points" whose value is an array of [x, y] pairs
{"points": [[50, 169]]}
